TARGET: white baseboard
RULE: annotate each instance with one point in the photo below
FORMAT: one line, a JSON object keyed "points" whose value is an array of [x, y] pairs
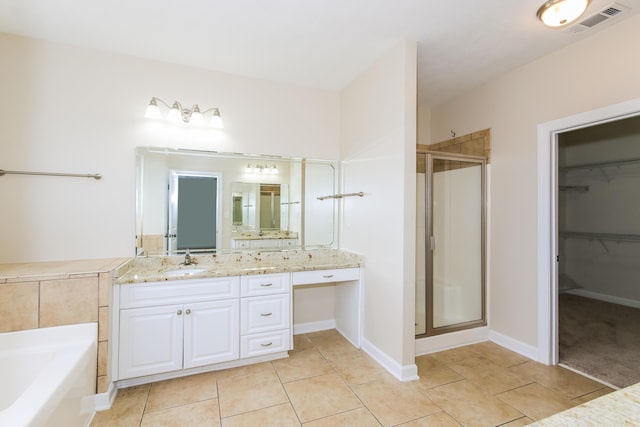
{"points": [[514, 345], [403, 373], [306, 328], [604, 297], [103, 401], [451, 340]]}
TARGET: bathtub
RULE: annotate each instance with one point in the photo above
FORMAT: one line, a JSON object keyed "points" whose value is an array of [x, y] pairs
{"points": [[48, 376]]}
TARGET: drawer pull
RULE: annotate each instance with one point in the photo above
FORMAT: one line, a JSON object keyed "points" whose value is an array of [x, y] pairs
{"points": [[265, 314], [188, 311], [266, 285], [179, 312], [328, 276], [267, 344]]}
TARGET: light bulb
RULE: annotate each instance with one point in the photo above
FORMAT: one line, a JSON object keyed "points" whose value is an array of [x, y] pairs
{"points": [[216, 120], [175, 115], [196, 116], [153, 111]]}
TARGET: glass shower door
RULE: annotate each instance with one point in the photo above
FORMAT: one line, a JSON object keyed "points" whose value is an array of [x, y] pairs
{"points": [[453, 247]]}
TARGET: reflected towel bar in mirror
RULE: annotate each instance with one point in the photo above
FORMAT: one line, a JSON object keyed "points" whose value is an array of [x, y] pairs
{"points": [[340, 196]]}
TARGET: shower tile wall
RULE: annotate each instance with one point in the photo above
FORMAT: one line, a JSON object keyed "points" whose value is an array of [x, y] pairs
{"points": [[476, 144]]}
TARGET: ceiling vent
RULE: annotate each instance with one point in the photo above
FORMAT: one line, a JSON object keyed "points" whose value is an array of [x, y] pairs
{"points": [[604, 15]]}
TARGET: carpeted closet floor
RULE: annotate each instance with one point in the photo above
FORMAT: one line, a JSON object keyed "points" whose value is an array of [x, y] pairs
{"points": [[600, 339]]}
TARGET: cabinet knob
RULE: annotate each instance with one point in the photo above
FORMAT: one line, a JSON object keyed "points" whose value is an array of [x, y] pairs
{"points": [[263, 314], [188, 311], [267, 344], [179, 312], [266, 284]]}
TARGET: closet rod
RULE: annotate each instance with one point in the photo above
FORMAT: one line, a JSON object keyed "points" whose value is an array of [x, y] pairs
{"points": [[340, 196], [77, 175]]}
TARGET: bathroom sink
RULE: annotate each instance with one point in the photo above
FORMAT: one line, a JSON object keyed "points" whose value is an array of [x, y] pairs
{"points": [[183, 272]]}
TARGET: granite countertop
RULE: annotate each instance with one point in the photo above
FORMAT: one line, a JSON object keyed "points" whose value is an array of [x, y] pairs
{"points": [[620, 408], [53, 270], [157, 269], [267, 235]]}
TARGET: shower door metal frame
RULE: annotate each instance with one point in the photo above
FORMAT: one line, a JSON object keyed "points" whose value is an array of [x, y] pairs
{"points": [[482, 161]]}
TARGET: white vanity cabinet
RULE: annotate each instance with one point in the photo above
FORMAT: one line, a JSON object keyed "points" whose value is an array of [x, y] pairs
{"points": [[168, 326], [264, 243], [172, 328], [265, 314]]}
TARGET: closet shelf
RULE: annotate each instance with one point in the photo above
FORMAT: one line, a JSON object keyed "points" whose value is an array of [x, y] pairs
{"points": [[601, 237], [578, 188], [602, 165], [597, 165]]}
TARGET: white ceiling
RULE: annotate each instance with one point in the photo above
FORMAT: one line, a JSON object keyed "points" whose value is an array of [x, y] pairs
{"points": [[322, 43]]}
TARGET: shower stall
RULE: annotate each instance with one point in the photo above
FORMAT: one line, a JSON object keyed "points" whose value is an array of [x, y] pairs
{"points": [[450, 263]]}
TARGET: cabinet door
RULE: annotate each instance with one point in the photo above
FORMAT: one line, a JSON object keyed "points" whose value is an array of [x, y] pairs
{"points": [[150, 341], [211, 332]]}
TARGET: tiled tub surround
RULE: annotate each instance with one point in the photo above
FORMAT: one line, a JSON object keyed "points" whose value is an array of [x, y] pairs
{"points": [[154, 269], [44, 294]]}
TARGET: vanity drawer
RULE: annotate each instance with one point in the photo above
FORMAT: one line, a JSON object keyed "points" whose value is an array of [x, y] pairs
{"points": [[264, 284], [178, 292], [325, 276], [289, 243], [266, 313], [269, 342]]}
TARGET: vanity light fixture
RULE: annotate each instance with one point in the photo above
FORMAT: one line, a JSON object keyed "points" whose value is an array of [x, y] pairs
{"points": [[558, 13], [177, 113], [262, 169]]}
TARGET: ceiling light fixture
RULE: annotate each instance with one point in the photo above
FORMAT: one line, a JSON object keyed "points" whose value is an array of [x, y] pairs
{"points": [[177, 113], [558, 13]]}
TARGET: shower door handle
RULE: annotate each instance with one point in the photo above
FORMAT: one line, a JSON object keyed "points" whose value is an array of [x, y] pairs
{"points": [[432, 243]]}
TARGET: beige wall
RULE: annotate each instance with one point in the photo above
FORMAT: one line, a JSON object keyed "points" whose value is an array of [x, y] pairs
{"points": [[378, 151], [600, 70], [68, 109]]}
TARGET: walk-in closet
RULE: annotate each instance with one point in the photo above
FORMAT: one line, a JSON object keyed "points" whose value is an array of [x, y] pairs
{"points": [[599, 250]]}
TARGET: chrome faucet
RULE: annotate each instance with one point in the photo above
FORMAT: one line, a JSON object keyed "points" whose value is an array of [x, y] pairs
{"points": [[188, 260]]}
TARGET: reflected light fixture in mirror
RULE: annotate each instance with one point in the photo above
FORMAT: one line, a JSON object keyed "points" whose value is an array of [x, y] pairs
{"points": [[558, 13], [178, 114], [262, 169]]}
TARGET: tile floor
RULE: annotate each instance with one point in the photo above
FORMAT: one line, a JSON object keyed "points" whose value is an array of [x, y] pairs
{"points": [[328, 382]]}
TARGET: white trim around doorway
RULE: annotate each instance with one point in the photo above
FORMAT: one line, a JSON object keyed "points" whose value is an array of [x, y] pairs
{"points": [[547, 216]]}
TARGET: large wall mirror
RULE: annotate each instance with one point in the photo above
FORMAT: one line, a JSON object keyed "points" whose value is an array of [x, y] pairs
{"points": [[217, 202]]}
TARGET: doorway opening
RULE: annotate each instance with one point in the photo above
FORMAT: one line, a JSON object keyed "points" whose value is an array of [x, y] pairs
{"points": [[599, 251], [562, 249], [193, 219]]}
